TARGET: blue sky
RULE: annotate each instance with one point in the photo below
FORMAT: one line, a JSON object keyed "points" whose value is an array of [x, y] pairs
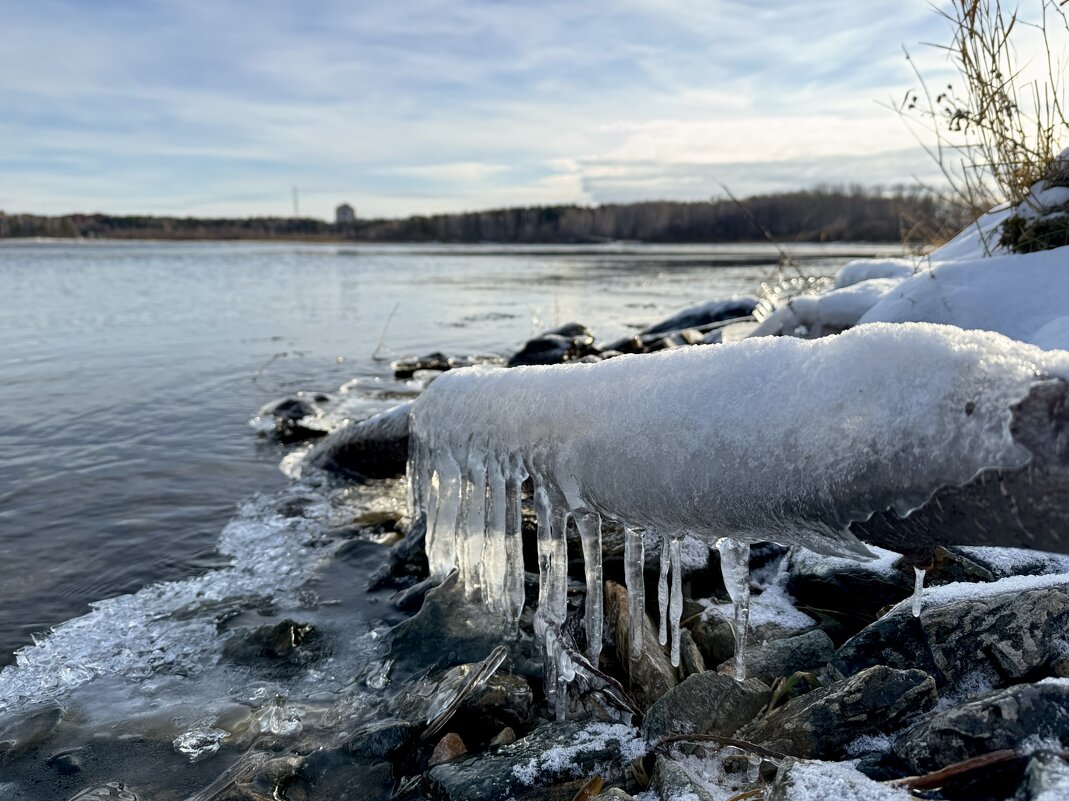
{"points": [[409, 106]]}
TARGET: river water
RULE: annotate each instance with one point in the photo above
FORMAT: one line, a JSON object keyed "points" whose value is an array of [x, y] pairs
{"points": [[128, 374]]}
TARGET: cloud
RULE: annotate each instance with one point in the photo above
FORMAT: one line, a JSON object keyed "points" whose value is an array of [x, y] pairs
{"points": [[437, 105]]}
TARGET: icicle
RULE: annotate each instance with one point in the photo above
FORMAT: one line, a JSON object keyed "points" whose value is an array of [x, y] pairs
{"points": [[662, 592], [552, 553], [514, 577], [589, 526], [735, 566], [753, 768], [471, 520], [495, 556], [442, 511], [918, 590], [676, 605], [636, 591]]}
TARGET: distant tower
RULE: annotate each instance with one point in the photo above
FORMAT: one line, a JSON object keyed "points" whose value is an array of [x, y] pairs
{"points": [[344, 214]]}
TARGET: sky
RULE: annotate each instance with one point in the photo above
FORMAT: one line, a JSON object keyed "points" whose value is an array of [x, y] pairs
{"points": [[221, 107]]}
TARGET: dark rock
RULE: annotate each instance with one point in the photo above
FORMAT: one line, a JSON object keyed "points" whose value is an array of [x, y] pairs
{"points": [[706, 703], [380, 740], [372, 448], [1045, 777], [65, 763], [449, 748], [406, 561], [504, 737], [809, 651], [513, 771], [671, 782], [1001, 719], [690, 657], [822, 723], [653, 674], [410, 599], [22, 732], [288, 413], [406, 368], [999, 638], [284, 642], [882, 766], [714, 637], [703, 315], [568, 343], [333, 773]]}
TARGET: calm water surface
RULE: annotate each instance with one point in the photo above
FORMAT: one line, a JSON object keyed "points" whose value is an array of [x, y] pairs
{"points": [[128, 373]]}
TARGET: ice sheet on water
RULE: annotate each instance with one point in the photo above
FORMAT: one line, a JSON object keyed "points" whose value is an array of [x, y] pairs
{"points": [[170, 628]]}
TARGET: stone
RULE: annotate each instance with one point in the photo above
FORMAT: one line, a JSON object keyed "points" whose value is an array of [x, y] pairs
{"points": [[703, 315], [449, 748], [714, 637], [810, 651], [690, 657], [670, 782], [551, 754], [567, 343], [65, 763], [1001, 719], [504, 737], [706, 703], [997, 639], [653, 674], [372, 448], [286, 642], [380, 740], [406, 368], [333, 773], [287, 415], [822, 723]]}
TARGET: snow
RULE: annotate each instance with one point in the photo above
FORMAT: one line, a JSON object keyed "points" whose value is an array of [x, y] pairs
{"points": [[1022, 296], [883, 563], [935, 597], [1015, 561], [821, 781], [560, 759], [854, 272], [816, 315], [977, 240]]}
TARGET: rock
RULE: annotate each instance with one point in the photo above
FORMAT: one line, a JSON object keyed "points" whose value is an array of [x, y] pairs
{"points": [[809, 781], [285, 642], [504, 737], [333, 773], [714, 637], [706, 703], [372, 448], [450, 630], [690, 657], [822, 723], [1001, 719], [568, 343], [672, 783], [112, 791], [65, 763], [613, 794], [378, 741], [1045, 777], [703, 315], [287, 415], [653, 675], [551, 754], [406, 561], [996, 637], [809, 651], [25, 731], [406, 368], [449, 748]]}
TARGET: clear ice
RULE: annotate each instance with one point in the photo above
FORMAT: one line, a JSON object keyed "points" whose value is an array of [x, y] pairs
{"points": [[769, 439], [918, 590]]}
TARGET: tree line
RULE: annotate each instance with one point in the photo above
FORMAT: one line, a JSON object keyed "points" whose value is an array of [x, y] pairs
{"points": [[815, 215]]}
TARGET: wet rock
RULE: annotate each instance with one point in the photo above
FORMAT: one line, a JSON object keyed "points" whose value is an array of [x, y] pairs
{"points": [[672, 783], [23, 732], [449, 748], [1045, 777], [690, 657], [706, 703], [703, 315], [822, 723], [332, 773], [406, 561], [809, 651], [653, 674], [287, 642], [372, 448], [1001, 719], [450, 630], [551, 754], [568, 343], [287, 415], [380, 740], [998, 638], [406, 368]]}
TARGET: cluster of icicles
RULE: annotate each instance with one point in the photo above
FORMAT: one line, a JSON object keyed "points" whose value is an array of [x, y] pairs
{"points": [[472, 503]]}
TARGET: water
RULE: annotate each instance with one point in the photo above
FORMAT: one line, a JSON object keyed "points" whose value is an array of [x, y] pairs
{"points": [[129, 371]]}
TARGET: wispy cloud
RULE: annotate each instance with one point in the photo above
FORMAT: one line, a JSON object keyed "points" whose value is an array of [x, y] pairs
{"points": [[437, 105]]}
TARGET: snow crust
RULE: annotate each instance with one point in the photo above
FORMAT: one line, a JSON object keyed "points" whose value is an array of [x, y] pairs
{"points": [[821, 781], [560, 760]]}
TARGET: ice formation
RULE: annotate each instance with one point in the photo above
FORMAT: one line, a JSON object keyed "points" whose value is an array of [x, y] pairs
{"points": [[698, 441]]}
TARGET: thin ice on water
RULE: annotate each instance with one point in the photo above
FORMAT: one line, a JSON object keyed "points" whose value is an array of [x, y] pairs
{"points": [[699, 444]]}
